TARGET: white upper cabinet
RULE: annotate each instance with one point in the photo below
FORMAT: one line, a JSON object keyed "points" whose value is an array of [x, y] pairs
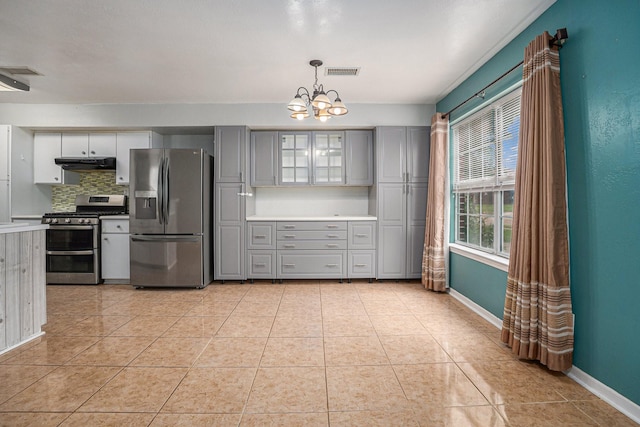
{"points": [[88, 144], [125, 142], [46, 147]]}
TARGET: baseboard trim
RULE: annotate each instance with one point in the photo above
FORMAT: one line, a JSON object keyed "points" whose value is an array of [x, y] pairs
{"points": [[476, 308], [604, 392]]}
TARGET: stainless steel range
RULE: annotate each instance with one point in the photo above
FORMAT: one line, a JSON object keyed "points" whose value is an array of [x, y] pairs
{"points": [[73, 239]]}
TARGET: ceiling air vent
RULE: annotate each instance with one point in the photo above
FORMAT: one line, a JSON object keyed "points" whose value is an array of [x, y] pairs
{"points": [[341, 71]]}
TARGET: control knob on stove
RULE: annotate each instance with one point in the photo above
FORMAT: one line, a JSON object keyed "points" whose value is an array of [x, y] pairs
{"points": [[81, 220], [54, 220], [67, 220]]}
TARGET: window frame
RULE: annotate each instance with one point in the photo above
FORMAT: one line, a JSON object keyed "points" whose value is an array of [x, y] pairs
{"points": [[498, 183]]}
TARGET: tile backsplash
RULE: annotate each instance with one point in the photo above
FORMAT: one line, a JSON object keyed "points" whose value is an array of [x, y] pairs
{"points": [[63, 197]]}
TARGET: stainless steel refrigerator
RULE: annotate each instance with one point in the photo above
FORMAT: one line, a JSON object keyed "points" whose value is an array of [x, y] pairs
{"points": [[170, 218]]}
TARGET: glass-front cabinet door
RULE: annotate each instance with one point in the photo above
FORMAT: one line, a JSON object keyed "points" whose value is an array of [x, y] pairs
{"points": [[295, 158], [328, 158]]}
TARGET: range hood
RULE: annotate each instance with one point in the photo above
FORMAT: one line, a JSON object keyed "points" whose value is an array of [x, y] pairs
{"points": [[86, 163]]}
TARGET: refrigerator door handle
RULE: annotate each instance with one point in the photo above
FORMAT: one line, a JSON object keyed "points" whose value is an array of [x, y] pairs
{"points": [[164, 239], [160, 202], [165, 190]]}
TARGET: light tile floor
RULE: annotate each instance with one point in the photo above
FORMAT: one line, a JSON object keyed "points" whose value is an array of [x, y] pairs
{"points": [[295, 354]]}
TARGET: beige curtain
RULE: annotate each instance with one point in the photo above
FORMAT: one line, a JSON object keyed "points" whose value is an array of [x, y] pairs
{"points": [[434, 265], [538, 321]]}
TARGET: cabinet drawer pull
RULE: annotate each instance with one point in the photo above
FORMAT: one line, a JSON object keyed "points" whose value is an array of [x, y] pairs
{"points": [[360, 265], [290, 246], [260, 236], [332, 245], [361, 235], [332, 236], [289, 236], [332, 226], [289, 265], [332, 265], [289, 227], [260, 264]]}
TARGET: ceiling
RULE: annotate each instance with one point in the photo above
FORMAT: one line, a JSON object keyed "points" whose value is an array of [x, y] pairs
{"points": [[251, 51]]}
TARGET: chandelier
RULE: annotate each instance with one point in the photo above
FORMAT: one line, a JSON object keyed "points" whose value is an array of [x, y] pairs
{"points": [[318, 103]]}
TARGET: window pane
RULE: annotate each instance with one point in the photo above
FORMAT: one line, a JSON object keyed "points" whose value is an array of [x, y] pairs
{"points": [[487, 203], [507, 224], [287, 175], [474, 230], [474, 203], [462, 228], [487, 232], [462, 203], [507, 201], [287, 158], [288, 141]]}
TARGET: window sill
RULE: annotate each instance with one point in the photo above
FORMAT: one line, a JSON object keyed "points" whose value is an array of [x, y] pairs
{"points": [[492, 260]]}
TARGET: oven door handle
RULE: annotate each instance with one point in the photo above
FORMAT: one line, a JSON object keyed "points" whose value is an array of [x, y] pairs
{"points": [[88, 252], [166, 239], [70, 227]]}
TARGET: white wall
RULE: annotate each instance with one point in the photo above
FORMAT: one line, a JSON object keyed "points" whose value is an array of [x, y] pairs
{"points": [[256, 116], [311, 201]]}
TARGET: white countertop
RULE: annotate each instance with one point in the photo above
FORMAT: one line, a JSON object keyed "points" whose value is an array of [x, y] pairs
{"points": [[19, 227], [313, 218]]}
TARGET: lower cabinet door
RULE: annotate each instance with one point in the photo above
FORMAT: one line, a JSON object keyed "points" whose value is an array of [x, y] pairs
{"points": [[115, 256], [312, 264], [362, 264], [261, 264]]}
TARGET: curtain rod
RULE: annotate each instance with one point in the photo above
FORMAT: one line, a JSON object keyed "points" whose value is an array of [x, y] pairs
{"points": [[557, 40]]}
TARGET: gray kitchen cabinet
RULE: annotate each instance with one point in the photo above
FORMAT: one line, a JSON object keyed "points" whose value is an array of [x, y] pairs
{"points": [[311, 249], [230, 190], [402, 154], [46, 147], [403, 168], [328, 158], [114, 250], [230, 232], [359, 157], [361, 257], [231, 153], [261, 253], [264, 158], [294, 158]]}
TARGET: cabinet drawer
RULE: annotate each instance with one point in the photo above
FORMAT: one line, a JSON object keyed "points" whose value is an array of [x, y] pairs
{"points": [[362, 235], [312, 225], [115, 225], [311, 264], [312, 244], [261, 264], [362, 264], [311, 235], [261, 235]]}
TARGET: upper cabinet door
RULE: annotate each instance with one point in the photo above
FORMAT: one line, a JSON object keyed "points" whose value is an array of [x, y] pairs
{"points": [[75, 145], [359, 156], [230, 159], [295, 158], [125, 142], [328, 158], [418, 154], [264, 159], [391, 142], [5, 151], [102, 145], [46, 147]]}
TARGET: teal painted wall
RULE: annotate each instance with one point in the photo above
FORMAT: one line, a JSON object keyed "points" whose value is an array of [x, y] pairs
{"points": [[483, 284], [600, 73]]}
